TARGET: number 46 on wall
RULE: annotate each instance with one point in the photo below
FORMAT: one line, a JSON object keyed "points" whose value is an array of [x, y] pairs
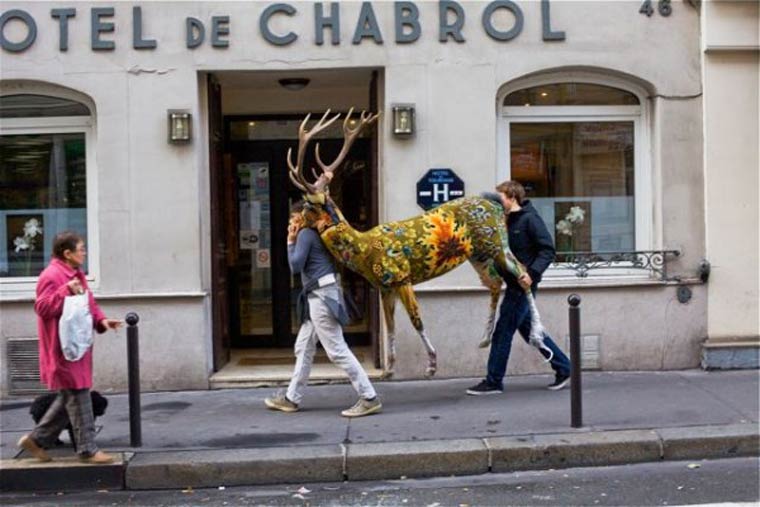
{"points": [[663, 7]]}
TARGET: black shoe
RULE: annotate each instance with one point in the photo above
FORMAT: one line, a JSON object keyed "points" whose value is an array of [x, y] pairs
{"points": [[560, 381], [484, 388]]}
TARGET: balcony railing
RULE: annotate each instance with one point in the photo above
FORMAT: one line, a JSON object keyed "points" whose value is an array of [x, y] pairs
{"points": [[652, 261]]}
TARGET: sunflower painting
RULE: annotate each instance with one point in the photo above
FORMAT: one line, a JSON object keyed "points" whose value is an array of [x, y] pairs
{"points": [[446, 242]]}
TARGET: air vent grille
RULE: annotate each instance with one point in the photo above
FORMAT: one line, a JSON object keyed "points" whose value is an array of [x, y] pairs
{"points": [[24, 366]]}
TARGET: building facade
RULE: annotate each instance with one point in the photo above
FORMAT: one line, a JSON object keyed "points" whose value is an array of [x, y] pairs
{"points": [[597, 107], [731, 70]]}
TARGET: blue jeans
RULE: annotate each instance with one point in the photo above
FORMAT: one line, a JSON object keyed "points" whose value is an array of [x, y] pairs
{"points": [[514, 315]]}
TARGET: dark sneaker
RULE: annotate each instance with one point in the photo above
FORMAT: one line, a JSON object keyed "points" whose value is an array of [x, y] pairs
{"points": [[560, 381], [484, 388]]}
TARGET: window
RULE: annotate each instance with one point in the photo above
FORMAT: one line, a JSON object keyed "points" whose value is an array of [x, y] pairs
{"points": [[45, 147], [579, 150]]}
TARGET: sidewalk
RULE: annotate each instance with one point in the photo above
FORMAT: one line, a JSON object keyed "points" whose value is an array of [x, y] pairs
{"points": [[227, 437]]}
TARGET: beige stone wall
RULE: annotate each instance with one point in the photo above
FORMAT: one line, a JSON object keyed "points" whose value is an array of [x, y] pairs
{"points": [[732, 165], [173, 351]]}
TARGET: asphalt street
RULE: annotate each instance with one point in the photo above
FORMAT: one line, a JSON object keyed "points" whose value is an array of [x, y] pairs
{"points": [[706, 482]]}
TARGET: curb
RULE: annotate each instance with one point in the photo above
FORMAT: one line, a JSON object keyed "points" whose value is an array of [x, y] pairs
{"points": [[62, 474], [415, 459], [235, 467]]}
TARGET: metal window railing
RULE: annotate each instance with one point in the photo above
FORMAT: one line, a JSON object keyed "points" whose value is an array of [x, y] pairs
{"points": [[653, 261]]}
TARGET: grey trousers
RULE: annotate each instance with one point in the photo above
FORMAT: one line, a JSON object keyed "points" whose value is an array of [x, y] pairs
{"points": [[323, 326], [71, 405]]}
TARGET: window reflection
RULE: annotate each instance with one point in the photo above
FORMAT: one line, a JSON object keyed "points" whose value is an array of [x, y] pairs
{"points": [[43, 191], [580, 178]]}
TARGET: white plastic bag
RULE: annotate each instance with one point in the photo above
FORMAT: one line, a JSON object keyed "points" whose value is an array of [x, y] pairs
{"points": [[75, 326]]}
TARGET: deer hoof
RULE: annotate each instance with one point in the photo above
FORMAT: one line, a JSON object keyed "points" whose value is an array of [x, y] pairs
{"points": [[485, 342], [429, 372]]}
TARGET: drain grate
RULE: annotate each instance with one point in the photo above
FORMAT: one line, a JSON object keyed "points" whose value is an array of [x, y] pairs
{"points": [[24, 366]]}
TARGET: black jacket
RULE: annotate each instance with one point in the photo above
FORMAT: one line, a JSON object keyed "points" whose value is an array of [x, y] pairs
{"points": [[530, 242]]}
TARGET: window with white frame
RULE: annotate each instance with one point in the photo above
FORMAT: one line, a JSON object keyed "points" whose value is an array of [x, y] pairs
{"points": [[579, 148], [45, 150]]}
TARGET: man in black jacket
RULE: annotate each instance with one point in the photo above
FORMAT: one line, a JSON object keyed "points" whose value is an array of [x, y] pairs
{"points": [[532, 244]]}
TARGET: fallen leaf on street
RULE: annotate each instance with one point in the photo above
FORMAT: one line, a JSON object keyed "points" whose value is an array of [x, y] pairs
{"points": [[303, 490], [299, 496], [693, 465], [188, 490]]}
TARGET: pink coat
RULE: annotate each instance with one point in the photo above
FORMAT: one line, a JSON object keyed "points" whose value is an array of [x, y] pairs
{"points": [[55, 370]]}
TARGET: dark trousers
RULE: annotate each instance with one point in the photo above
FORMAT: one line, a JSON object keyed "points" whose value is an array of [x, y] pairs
{"points": [[514, 315], [71, 405]]}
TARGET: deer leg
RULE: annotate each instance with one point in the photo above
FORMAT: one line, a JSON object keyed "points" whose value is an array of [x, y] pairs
{"points": [[490, 278], [536, 337], [408, 299], [389, 306]]}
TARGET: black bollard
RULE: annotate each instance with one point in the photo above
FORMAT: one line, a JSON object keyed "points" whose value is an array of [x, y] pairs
{"points": [[576, 402], [133, 369]]}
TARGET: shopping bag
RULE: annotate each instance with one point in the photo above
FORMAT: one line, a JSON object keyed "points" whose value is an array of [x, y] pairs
{"points": [[75, 326]]}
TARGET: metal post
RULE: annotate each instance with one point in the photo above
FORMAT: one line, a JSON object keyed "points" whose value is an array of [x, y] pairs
{"points": [[133, 368], [576, 402]]}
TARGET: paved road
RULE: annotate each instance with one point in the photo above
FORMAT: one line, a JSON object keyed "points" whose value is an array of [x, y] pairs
{"points": [[727, 482]]}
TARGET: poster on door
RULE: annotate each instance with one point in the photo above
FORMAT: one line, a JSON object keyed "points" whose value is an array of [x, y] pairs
{"points": [[263, 258], [249, 239]]}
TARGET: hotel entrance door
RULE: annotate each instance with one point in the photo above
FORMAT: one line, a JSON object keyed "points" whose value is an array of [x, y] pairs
{"points": [[263, 292]]}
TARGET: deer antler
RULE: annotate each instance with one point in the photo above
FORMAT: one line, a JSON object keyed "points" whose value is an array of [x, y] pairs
{"points": [[349, 136], [304, 136]]}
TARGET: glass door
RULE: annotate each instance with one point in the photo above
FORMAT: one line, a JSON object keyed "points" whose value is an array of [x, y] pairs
{"points": [[263, 291]]}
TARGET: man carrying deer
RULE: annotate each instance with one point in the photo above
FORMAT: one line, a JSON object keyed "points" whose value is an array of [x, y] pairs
{"points": [[395, 256], [532, 245], [322, 314]]}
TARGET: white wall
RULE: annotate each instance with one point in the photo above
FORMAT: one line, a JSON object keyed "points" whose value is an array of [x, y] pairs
{"points": [[732, 185]]}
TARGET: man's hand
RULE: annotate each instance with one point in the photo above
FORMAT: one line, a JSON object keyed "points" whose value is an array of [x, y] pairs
{"points": [[112, 323], [525, 281], [75, 286]]}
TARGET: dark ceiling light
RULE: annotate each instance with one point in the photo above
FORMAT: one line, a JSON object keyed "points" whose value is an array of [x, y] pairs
{"points": [[294, 83]]}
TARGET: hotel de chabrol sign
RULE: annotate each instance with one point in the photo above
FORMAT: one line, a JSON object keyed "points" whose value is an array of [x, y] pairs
{"points": [[219, 31]]}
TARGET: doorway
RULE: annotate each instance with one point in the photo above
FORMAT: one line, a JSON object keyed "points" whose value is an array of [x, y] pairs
{"points": [[261, 293], [263, 290]]}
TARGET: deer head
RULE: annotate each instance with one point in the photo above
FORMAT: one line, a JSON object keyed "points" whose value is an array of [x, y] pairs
{"points": [[317, 194]]}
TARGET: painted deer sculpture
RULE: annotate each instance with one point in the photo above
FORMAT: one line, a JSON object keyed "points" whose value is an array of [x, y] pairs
{"points": [[395, 256]]}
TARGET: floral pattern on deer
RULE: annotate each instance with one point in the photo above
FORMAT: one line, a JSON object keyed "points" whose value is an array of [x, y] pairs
{"points": [[395, 256]]}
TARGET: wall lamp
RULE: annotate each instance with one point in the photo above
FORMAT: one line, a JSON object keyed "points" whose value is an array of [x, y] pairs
{"points": [[403, 120], [180, 126]]}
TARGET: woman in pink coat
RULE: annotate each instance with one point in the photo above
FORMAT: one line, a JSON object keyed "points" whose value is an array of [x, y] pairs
{"points": [[72, 379]]}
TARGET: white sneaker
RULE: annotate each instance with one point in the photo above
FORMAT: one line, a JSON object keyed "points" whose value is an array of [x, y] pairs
{"points": [[363, 407]]}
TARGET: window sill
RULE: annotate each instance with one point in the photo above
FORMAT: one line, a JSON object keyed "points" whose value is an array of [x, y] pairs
{"points": [[564, 283]]}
